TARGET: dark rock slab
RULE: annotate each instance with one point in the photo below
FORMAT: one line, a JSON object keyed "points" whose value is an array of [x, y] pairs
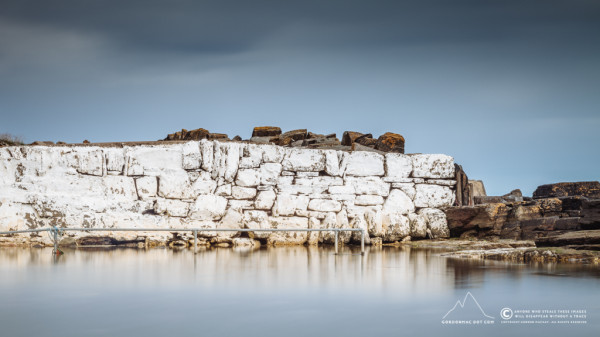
{"points": [[463, 191], [266, 131], [366, 140], [488, 219], [513, 196], [184, 134], [292, 136], [349, 136], [590, 189], [218, 136], [359, 147], [261, 140], [590, 214], [585, 237]]}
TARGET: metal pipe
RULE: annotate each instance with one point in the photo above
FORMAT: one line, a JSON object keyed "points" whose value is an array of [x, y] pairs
{"points": [[336, 241], [24, 231], [362, 242], [55, 230], [195, 241]]}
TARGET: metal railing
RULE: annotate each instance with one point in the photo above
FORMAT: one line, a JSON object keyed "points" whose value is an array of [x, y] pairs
{"points": [[55, 232]]}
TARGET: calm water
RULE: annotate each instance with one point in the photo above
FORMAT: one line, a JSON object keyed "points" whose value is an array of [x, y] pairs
{"points": [[289, 291]]}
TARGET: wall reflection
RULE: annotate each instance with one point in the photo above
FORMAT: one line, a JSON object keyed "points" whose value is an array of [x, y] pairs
{"points": [[382, 271]]}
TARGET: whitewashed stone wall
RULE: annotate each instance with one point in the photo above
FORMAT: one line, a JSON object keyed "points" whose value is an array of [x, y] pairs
{"points": [[212, 184]]}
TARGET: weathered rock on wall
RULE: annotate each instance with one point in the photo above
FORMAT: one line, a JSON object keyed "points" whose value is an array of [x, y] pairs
{"points": [[351, 140], [214, 184]]}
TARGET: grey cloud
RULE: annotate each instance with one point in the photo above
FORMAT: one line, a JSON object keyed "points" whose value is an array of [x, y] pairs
{"points": [[507, 86], [229, 26]]}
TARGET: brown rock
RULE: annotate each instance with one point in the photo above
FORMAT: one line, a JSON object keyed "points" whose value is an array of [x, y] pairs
{"points": [[184, 134], [463, 191], [177, 135], [349, 136], [513, 196], [589, 237], [539, 224], [327, 144], [573, 203], [526, 212], [488, 219], [217, 136], [37, 142], [311, 135], [568, 224], [263, 140], [85, 141], [477, 188], [390, 142], [366, 140], [319, 141], [292, 136], [359, 147], [266, 131], [197, 134], [237, 138], [590, 189], [550, 206], [590, 214]]}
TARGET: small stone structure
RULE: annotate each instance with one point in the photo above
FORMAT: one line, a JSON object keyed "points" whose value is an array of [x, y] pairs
{"points": [[224, 184]]}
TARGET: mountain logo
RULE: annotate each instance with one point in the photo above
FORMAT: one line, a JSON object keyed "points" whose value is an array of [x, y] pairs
{"points": [[468, 309]]}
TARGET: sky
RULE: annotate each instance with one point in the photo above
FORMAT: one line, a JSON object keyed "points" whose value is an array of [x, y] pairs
{"points": [[509, 88]]}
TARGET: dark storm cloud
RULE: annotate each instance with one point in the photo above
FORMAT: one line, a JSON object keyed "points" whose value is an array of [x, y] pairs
{"points": [[511, 88], [229, 26]]}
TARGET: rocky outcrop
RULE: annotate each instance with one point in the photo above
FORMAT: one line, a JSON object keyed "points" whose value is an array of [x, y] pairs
{"points": [[572, 221], [512, 196], [215, 184], [585, 239], [590, 189]]}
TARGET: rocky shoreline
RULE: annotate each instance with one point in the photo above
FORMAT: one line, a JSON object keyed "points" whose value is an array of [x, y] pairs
{"points": [[518, 251]]}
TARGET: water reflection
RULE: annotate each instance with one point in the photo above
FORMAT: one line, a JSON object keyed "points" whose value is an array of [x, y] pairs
{"points": [[291, 291], [392, 271]]}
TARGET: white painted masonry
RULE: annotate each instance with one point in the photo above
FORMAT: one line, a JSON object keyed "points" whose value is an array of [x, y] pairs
{"points": [[213, 184]]}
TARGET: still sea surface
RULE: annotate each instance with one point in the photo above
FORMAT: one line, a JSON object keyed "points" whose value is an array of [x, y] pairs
{"points": [[290, 291]]}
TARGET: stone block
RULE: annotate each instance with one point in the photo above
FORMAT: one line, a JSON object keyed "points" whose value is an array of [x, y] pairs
{"points": [[433, 196], [240, 193], [363, 163], [208, 207], [147, 187], [304, 160], [439, 166], [324, 205]]}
